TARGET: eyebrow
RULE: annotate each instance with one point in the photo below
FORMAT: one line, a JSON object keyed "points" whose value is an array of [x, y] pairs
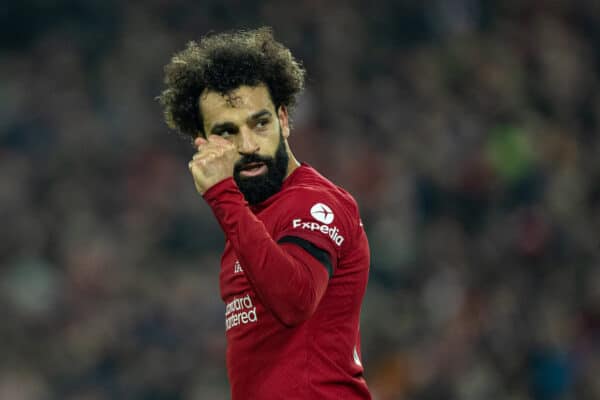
{"points": [[259, 114], [224, 126]]}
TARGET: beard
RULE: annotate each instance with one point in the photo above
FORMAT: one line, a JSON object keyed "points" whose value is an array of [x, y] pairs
{"points": [[257, 189]]}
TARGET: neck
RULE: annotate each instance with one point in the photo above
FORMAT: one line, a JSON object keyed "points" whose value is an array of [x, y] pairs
{"points": [[292, 161]]}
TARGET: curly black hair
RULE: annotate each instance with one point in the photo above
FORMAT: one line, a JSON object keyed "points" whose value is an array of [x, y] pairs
{"points": [[223, 62]]}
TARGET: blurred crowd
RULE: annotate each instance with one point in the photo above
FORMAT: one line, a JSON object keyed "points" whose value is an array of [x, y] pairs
{"points": [[467, 130]]}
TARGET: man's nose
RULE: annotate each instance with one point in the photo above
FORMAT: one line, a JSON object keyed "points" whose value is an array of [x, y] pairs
{"points": [[248, 143]]}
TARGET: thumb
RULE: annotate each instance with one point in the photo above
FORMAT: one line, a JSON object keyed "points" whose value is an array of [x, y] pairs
{"points": [[199, 141]]}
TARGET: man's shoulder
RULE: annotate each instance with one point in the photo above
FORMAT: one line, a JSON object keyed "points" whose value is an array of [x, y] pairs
{"points": [[319, 211], [308, 181], [312, 187]]}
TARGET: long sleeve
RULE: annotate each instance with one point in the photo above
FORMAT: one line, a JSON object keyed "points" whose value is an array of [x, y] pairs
{"points": [[288, 280]]}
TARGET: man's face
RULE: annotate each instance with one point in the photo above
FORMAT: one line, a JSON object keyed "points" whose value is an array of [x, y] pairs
{"points": [[247, 117]]}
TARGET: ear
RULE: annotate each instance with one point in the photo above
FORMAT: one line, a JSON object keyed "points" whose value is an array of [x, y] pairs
{"points": [[284, 122]]}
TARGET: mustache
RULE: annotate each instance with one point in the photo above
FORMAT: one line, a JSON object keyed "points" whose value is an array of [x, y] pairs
{"points": [[252, 158]]}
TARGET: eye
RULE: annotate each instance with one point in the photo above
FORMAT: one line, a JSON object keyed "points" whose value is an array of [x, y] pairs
{"points": [[226, 134], [262, 123]]}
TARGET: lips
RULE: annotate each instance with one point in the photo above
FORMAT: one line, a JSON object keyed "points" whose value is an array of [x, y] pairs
{"points": [[253, 169], [252, 165]]}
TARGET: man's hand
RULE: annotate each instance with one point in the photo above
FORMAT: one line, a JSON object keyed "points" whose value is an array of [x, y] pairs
{"points": [[213, 162]]}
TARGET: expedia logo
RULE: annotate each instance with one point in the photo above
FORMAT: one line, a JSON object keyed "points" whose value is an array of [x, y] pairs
{"points": [[321, 213]]}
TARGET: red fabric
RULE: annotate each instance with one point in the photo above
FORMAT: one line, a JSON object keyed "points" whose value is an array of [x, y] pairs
{"points": [[292, 331]]}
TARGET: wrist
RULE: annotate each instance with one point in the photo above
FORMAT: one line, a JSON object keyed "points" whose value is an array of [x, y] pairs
{"points": [[224, 186]]}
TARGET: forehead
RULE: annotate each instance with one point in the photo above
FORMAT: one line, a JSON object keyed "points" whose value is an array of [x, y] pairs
{"points": [[238, 103]]}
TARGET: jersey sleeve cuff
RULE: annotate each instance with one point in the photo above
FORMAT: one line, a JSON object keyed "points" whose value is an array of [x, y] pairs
{"points": [[225, 188]]}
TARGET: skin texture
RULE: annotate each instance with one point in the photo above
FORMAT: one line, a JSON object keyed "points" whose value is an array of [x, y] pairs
{"points": [[240, 133]]}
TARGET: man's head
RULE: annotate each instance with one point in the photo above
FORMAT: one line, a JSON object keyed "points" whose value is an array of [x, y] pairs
{"points": [[240, 86]]}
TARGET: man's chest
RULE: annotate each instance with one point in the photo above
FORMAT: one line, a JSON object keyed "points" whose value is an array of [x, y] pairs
{"points": [[242, 306], [233, 279]]}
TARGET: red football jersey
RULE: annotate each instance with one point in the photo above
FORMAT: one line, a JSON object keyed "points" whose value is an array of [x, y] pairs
{"points": [[293, 276]]}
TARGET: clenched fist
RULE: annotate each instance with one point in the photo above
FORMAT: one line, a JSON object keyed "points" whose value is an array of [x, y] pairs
{"points": [[213, 162]]}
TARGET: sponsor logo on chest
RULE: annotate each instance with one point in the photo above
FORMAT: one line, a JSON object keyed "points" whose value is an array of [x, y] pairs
{"points": [[240, 311]]}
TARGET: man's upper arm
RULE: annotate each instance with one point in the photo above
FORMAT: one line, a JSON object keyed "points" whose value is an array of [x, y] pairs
{"points": [[315, 221], [319, 254]]}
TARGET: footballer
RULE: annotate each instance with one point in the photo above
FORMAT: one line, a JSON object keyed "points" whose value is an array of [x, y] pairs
{"points": [[295, 265]]}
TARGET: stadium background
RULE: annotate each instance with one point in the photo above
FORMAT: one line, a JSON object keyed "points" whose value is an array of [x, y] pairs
{"points": [[467, 130]]}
